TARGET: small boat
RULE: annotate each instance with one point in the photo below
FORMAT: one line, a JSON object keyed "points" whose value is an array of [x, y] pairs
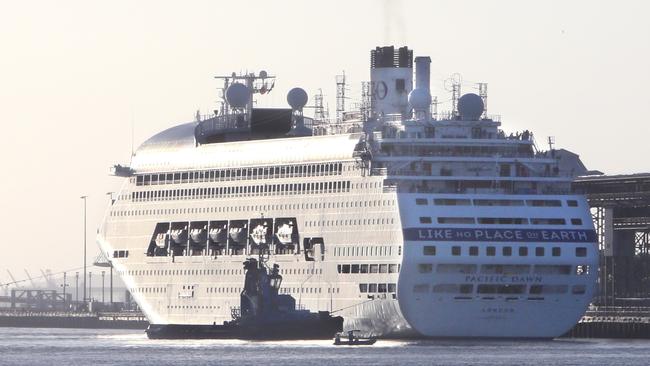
{"points": [[353, 340]]}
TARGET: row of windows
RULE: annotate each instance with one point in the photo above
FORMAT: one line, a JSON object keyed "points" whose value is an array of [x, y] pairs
{"points": [[212, 272], [257, 190], [255, 208], [500, 220], [219, 175], [494, 202], [492, 289], [321, 223], [377, 288], [368, 268], [506, 251], [182, 272], [503, 269], [365, 251], [120, 254], [149, 290]]}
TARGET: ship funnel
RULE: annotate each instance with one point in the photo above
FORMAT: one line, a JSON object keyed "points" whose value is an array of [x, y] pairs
{"points": [[420, 97], [423, 73], [391, 78]]}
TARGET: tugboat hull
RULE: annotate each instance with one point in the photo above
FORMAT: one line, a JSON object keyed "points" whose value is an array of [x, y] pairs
{"points": [[320, 327]]}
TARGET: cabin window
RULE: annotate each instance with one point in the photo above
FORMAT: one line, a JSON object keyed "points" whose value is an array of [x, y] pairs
{"points": [[576, 221], [490, 251], [425, 268], [539, 251], [506, 251], [556, 251], [421, 288], [523, 251], [363, 268], [544, 203], [581, 252], [451, 202], [455, 268], [572, 203], [548, 289], [363, 287], [473, 251], [455, 220], [455, 250], [578, 289], [547, 221], [429, 250]]}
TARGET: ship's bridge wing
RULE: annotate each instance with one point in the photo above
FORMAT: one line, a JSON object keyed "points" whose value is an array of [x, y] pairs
{"points": [[175, 149]]}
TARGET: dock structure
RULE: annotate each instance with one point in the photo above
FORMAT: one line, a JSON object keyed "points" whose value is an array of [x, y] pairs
{"points": [[67, 319], [613, 322], [620, 207], [621, 212]]}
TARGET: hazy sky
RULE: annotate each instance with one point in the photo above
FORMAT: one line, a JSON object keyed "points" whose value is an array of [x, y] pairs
{"points": [[76, 75]]}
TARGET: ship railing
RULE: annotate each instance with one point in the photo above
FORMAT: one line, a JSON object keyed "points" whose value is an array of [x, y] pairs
{"points": [[419, 189], [335, 127], [469, 175], [390, 153], [620, 311]]}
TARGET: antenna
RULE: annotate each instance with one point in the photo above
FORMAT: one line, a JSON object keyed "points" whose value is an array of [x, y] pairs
{"points": [[366, 100], [434, 108], [340, 96], [319, 110], [551, 142], [482, 92], [455, 95]]}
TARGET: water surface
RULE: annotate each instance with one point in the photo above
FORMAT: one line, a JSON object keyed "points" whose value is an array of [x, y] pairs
{"points": [[31, 346]]}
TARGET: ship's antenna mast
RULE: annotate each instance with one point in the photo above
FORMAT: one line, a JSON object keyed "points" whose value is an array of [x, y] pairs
{"points": [[366, 100], [319, 110], [434, 108], [551, 142], [455, 95], [482, 92], [340, 96]]}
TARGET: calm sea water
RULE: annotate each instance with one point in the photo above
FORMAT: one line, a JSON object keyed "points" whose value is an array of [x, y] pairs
{"points": [[51, 347]]}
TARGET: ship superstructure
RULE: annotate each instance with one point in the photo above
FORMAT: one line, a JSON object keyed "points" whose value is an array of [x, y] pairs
{"points": [[402, 223]]}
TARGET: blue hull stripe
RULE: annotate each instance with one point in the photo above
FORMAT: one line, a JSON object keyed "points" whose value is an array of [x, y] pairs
{"points": [[503, 235]]}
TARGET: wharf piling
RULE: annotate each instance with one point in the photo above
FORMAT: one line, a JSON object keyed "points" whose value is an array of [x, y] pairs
{"points": [[59, 319], [613, 322]]}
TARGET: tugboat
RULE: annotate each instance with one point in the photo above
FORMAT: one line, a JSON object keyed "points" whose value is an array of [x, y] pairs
{"points": [[353, 340], [263, 314]]}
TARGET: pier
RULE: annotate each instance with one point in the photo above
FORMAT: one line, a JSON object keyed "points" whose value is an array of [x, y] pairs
{"points": [[620, 207]]}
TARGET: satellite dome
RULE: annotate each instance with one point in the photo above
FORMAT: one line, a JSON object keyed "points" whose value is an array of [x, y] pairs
{"points": [[238, 95], [419, 99], [263, 74], [470, 107], [297, 98]]}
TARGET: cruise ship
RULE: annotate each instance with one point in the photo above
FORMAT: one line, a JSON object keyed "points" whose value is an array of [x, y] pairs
{"points": [[404, 221]]}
